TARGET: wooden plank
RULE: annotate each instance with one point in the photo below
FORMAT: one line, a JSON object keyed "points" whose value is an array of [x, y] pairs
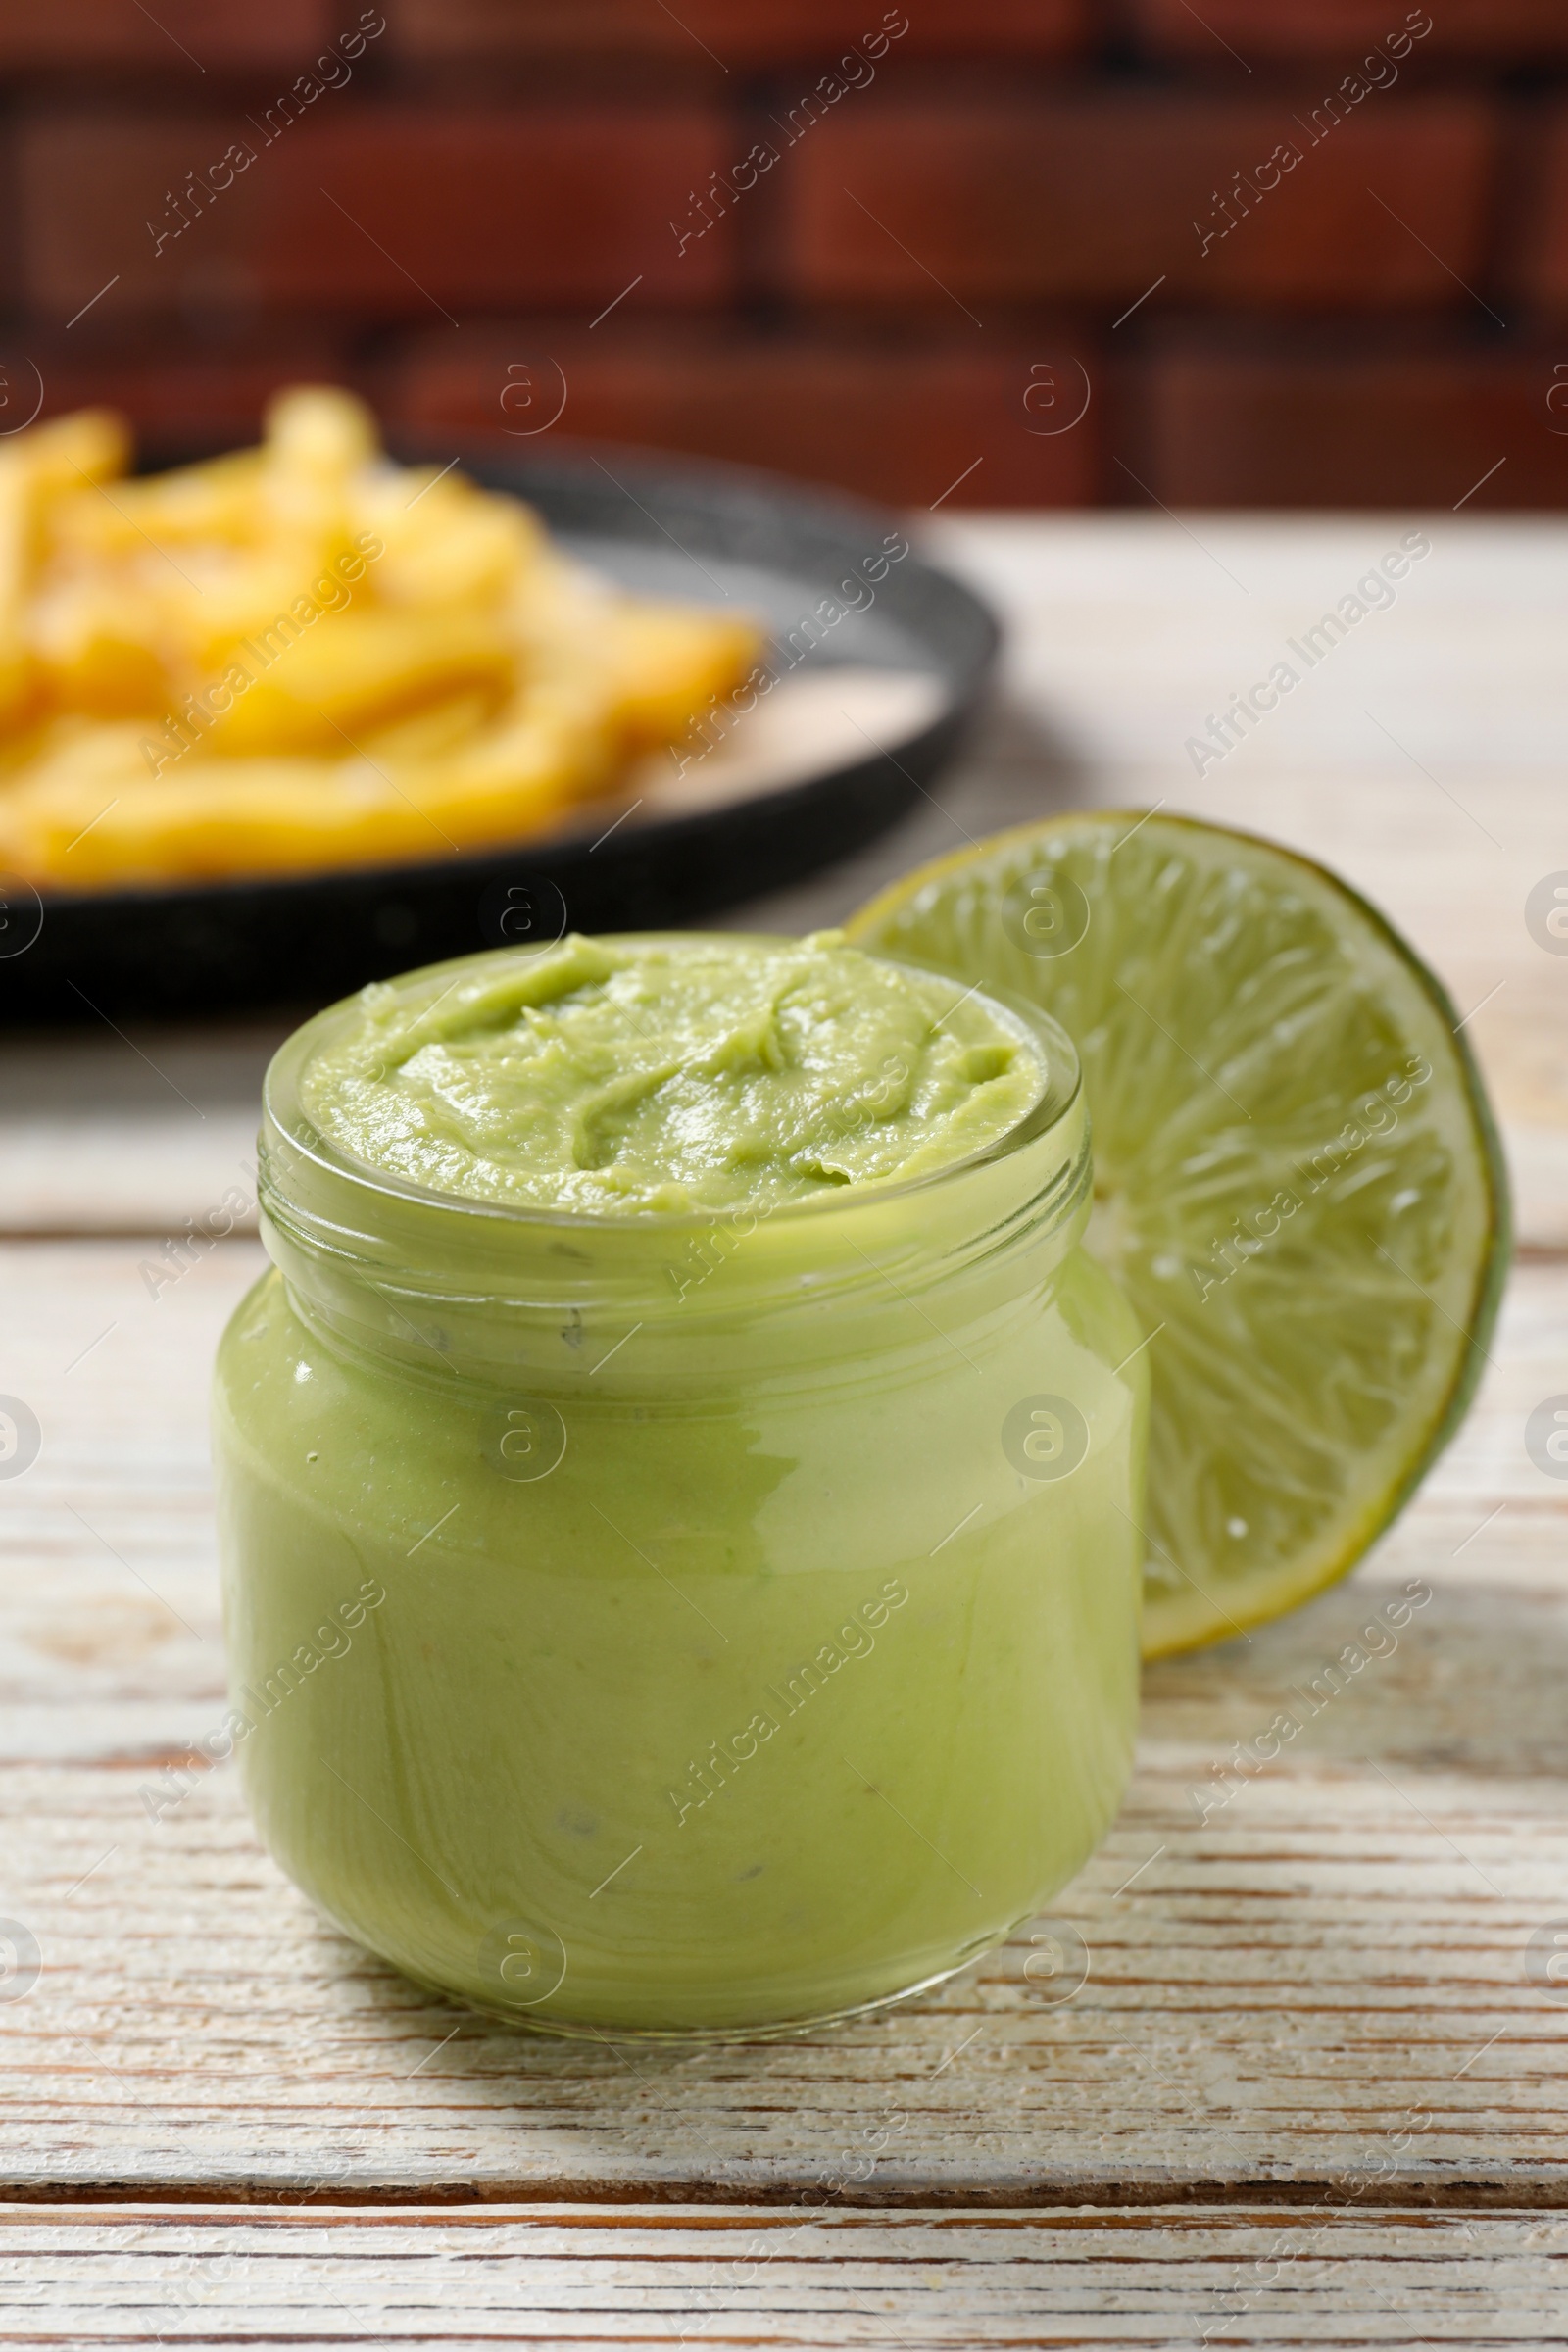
{"points": [[1331, 1983], [1322, 1978], [130, 1130], [1329, 2276]]}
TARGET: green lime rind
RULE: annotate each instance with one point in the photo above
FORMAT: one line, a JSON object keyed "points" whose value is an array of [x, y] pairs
{"points": [[1241, 1012]]}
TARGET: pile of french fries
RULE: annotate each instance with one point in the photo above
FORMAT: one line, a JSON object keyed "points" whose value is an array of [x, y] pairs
{"points": [[302, 656]]}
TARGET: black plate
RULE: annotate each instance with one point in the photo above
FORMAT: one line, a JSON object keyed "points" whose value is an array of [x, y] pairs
{"points": [[685, 530]]}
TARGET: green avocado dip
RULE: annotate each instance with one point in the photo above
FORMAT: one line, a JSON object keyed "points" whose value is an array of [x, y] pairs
{"points": [[617, 1076], [679, 1483]]}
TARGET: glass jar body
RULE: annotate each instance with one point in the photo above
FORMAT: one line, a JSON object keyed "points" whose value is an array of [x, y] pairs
{"points": [[620, 1695]]}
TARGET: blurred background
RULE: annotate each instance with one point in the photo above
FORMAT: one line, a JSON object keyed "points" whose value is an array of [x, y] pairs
{"points": [[1292, 253], [1096, 292]]}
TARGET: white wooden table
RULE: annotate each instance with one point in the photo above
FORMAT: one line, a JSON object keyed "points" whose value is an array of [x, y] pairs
{"points": [[1315, 2086]]}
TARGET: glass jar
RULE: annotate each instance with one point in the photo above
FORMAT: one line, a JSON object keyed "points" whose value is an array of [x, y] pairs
{"points": [[682, 1625]]}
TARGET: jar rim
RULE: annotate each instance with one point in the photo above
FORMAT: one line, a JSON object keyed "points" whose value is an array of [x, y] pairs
{"points": [[283, 1119]]}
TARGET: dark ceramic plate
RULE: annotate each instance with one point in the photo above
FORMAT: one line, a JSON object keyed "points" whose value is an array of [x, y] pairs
{"points": [[919, 650]]}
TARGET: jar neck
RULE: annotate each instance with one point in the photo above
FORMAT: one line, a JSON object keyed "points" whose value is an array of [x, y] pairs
{"points": [[456, 1286]]}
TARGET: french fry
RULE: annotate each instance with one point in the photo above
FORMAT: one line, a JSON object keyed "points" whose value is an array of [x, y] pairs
{"points": [[353, 671], [98, 647], [211, 503], [222, 817], [666, 663], [70, 453], [74, 456]]}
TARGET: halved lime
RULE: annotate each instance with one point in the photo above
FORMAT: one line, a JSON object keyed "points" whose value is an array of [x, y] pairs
{"points": [[1299, 1182]]}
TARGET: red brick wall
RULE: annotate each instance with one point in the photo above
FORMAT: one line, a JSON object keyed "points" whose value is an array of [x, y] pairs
{"points": [[992, 252]]}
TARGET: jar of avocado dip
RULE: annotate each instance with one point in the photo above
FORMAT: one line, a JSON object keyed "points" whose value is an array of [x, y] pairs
{"points": [[683, 1403]]}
